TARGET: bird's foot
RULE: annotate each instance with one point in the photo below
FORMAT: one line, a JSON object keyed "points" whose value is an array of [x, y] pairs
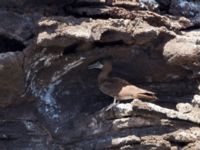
{"points": [[111, 106]]}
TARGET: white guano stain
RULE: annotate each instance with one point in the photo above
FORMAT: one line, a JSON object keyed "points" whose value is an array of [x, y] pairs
{"points": [[66, 68], [48, 105]]}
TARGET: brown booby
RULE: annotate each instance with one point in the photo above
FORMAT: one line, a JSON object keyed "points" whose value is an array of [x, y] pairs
{"points": [[118, 88]]}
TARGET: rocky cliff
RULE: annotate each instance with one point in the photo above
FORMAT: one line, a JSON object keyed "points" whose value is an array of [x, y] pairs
{"points": [[50, 100]]}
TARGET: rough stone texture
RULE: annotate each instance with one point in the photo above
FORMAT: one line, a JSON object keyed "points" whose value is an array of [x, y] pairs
{"points": [[15, 26], [12, 78], [127, 126], [175, 23], [185, 7], [184, 107], [23, 3], [196, 99], [187, 53], [69, 30], [194, 145], [182, 136], [155, 142], [46, 47]]}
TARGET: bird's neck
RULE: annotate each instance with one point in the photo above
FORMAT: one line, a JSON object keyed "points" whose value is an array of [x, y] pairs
{"points": [[104, 74]]}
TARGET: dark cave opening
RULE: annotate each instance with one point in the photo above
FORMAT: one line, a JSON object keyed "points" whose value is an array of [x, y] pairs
{"points": [[104, 44], [194, 27], [85, 14], [164, 6], [71, 49], [10, 45]]}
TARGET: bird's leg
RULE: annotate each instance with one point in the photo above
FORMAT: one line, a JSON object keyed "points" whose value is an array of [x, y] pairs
{"points": [[115, 101], [113, 104]]}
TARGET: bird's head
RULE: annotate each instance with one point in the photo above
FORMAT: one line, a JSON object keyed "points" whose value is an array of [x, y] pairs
{"points": [[102, 63]]}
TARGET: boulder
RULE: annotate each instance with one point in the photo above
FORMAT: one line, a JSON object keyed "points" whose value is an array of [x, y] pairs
{"points": [[184, 50]]}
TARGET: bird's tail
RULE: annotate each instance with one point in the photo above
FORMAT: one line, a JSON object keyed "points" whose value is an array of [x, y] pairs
{"points": [[147, 96]]}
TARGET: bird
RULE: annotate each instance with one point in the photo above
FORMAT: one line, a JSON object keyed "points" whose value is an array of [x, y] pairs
{"points": [[119, 89]]}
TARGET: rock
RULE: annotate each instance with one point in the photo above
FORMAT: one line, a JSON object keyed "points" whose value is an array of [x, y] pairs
{"points": [[181, 136], [15, 26], [11, 79], [155, 142], [152, 18], [185, 8], [107, 143], [184, 136], [132, 3], [133, 122], [190, 146], [170, 113], [23, 4], [118, 111], [184, 51], [117, 142], [69, 30], [196, 20], [184, 107], [196, 99], [164, 4], [123, 110]]}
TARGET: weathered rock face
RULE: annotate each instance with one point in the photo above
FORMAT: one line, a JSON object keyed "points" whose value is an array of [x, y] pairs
{"points": [[15, 31], [16, 26], [191, 42], [184, 50], [12, 78], [185, 7], [45, 57], [92, 39]]}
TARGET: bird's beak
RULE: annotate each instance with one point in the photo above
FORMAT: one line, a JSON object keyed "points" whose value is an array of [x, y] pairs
{"points": [[97, 65]]}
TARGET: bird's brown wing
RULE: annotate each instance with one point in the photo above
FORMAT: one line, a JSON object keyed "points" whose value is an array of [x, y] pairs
{"points": [[113, 86], [122, 89], [140, 90], [142, 93], [123, 84]]}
